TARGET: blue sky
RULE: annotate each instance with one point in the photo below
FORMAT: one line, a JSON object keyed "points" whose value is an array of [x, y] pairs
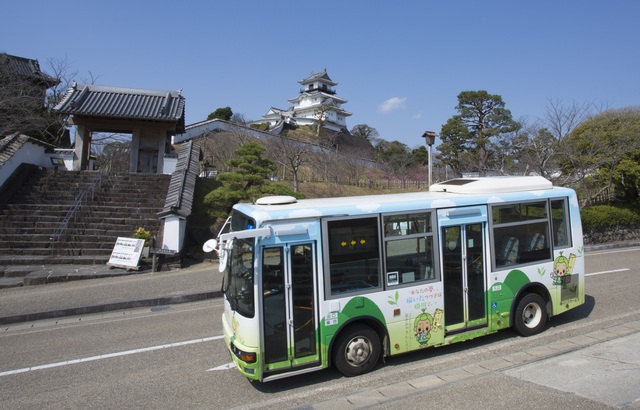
{"points": [[399, 64]]}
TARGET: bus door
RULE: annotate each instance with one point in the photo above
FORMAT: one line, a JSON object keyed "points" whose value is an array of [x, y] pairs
{"points": [[462, 241], [289, 307]]}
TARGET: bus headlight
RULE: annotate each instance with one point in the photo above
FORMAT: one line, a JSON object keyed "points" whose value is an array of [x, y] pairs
{"points": [[247, 357]]}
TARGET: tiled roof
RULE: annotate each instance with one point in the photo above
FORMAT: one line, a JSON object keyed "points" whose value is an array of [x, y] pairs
{"points": [[217, 125], [322, 76], [9, 145], [183, 182], [28, 68], [123, 103]]}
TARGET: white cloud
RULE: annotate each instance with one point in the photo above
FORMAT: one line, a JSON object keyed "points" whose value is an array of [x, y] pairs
{"points": [[392, 104]]}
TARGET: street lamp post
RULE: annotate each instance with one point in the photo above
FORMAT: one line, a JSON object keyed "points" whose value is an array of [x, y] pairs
{"points": [[430, 138]]}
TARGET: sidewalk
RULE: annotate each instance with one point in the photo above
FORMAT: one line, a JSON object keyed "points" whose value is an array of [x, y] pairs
{"points": [[599, 368], [75, 297]]}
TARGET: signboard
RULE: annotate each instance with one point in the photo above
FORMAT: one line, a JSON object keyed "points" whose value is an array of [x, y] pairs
{"points": [[160, 251], [126, 253]]}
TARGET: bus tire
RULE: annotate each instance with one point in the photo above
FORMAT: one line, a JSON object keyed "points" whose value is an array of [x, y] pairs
{"points": [[357, 350], [530, 315]]}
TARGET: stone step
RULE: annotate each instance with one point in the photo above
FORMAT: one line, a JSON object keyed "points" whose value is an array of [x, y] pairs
{"points": [[53, 260], [17, 209], [94, 234], [99, 242], [66, 251], [100, 219], [82, 226], [116, 208]]}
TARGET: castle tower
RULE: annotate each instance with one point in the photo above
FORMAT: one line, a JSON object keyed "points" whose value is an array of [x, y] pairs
{"points": [[317, 101]]}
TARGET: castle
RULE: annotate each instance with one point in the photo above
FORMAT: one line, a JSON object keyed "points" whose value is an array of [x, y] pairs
{"points": [[317, 102]]}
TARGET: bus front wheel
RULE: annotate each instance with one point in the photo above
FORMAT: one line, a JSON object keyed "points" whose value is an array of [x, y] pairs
{"points": [[531, 315], [357, 350]]}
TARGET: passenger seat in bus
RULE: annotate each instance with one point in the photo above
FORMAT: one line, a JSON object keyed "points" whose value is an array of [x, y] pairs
{"points": [[536, 242], [536, 249], [509, 253]]}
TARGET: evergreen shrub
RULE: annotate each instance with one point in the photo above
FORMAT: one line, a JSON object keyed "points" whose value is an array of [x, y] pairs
{"points": [[607, 216]]}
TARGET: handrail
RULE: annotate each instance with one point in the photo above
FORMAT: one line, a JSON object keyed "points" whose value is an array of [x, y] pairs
{"points": [[71, 213]]}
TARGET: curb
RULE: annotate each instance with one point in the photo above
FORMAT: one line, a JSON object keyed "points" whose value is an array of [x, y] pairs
{"points": [[613, 245], [107, 307]]}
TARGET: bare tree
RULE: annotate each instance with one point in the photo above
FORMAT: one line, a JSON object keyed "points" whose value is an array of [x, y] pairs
{"points": [[22, 97], [396, 159], [532, 150], [351, 167], [219, 147], [597, 147], [324, 163], [364, 131], [114, 156], [238, 118], [320, 116], [26, 101], [561, 119], [292, 154]]}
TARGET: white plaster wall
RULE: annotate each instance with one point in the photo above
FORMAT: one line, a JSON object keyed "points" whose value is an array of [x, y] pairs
{"points": [[29, 153], [173, 237], [170, 164]]}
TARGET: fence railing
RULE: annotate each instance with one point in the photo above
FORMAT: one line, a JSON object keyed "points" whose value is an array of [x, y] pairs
{"points": [[605, 197], [72, 212], [416, 185]]}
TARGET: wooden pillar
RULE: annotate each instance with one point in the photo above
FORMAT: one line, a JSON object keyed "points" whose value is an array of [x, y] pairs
{"points": [[135, 150], [161, 150], [82, 145]]}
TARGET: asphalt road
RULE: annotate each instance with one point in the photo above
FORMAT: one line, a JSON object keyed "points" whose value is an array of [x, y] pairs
{"points": [[174, 357]]}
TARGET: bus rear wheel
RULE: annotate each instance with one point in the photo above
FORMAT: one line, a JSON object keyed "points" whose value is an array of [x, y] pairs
{"points": [[357, 350], [531, 315]]}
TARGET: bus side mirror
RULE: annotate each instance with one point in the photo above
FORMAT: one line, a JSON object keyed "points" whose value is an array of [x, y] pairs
{"points": [[210, 245]]}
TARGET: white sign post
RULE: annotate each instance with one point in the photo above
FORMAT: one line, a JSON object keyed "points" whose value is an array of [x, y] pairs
{"points": [[126, 253]]}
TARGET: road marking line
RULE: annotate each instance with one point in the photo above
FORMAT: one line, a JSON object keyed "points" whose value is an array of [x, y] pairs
{"points": [[607, 271], [609, 251], [227, 366], [108, 356]]}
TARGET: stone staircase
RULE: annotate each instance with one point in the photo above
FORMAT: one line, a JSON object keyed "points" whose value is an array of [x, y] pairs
{"points": [[75, 217]]}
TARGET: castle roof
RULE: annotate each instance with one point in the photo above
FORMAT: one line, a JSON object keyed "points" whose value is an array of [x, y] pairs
{"points": [[322, 76]]}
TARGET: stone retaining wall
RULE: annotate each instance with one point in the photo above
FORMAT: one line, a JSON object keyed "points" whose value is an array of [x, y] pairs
{"points": [[620, 233]]}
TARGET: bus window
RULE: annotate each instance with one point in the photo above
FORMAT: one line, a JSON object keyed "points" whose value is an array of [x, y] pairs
{"points": [[239, 277], [408, 248], [520, 233], [354, 255], [559, 222], [407, 224], [275, 317]]}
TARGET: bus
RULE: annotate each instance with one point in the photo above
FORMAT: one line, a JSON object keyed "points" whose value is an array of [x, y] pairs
{"points": [[343, 282]]}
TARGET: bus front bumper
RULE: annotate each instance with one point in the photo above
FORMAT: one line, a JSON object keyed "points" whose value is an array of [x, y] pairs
{"points": [[246, 359]]}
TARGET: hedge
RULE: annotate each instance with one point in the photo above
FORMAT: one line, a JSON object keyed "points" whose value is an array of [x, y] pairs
{"points": [[605, 216]]}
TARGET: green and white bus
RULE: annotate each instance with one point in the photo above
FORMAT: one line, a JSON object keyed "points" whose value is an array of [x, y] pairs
{"points": [[314, 283]]}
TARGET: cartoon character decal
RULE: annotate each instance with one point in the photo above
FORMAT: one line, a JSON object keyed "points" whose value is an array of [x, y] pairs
{"points": [[424, 324], [422, 327], [562, 269]]}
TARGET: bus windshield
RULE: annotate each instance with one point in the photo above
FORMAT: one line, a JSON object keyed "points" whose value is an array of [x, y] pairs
{"points": [[239, 276]]}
